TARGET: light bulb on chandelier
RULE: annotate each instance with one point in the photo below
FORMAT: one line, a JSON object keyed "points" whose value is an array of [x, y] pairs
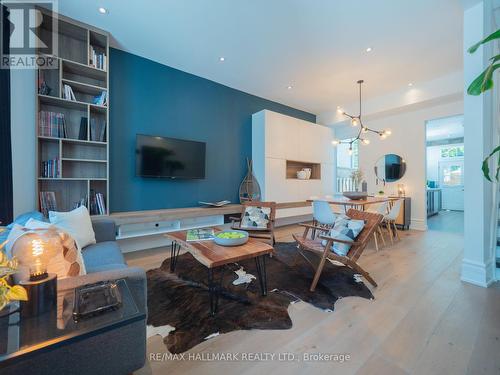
{"points": [[355, 121]]}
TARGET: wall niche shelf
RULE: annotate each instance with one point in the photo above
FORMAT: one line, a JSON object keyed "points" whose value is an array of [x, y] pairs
{"points": [[73, 135], [293, 166]]}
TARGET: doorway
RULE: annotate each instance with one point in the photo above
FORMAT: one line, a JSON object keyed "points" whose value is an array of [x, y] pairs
{"points": [[445, 173]]}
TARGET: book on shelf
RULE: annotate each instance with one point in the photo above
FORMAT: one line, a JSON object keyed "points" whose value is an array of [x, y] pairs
{"points": [[97, 129], [82, 135], [101, 99], [52, 124], [50, 168], [68, 93], [97, 59], [97, 205], [47, 202]]}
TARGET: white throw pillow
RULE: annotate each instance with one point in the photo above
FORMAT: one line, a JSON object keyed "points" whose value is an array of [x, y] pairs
{"points": [[77, 223]]}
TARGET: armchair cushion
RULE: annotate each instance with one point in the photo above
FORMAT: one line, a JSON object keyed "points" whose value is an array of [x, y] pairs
{"points": [[345, 229], [256, 217]]}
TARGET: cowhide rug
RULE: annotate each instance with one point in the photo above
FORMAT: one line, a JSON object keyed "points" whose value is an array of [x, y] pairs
{"points": [[178, 304]]}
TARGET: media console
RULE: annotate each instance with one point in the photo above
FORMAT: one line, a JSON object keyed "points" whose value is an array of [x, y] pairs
{"points": [[139, 230]]}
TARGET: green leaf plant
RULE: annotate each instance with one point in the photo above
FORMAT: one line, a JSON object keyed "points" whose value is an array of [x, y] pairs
{"points": [[482, 83]]}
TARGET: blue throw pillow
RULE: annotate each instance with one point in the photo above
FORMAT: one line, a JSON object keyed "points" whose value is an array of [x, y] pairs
{"points": [[23, 218], [345, 229]]}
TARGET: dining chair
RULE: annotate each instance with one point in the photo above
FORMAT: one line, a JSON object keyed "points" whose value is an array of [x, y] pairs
{"points": [[382, 209], [323, 215], [391, 217]]}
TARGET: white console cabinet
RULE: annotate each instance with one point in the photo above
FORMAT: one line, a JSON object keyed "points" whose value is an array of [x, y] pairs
{"points": [[281, 145]]}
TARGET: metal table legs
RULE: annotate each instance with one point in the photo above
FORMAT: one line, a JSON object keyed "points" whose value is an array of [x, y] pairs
{"points": [[260, 264], [175, 249]]}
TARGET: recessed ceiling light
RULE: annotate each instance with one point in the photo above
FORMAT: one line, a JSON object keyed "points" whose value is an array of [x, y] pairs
{"points": [[222, 59], [289, 87], [103, 10], [410, 84], [369, 49]]}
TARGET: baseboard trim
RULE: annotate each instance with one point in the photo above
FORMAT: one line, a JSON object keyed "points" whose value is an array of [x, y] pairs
{"points": [[477, 273], [418, 224]]}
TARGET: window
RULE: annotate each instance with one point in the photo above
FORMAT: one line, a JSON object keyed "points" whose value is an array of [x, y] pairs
{"points": [[452, 152], [346, 164]]}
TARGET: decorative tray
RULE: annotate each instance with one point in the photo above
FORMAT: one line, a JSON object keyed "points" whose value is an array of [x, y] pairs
{"points": [[93, 299]]}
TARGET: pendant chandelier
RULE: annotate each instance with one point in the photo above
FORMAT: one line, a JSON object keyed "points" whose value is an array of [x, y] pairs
{"points": [[355, 122]]}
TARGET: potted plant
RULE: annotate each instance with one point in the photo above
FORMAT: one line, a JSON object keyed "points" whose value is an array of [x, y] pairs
{"points": [[9, 293], [482, 83], [357, 177]]}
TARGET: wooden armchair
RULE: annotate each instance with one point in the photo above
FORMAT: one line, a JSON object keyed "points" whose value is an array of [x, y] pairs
{"points": [[372, 221], [266, 233]]}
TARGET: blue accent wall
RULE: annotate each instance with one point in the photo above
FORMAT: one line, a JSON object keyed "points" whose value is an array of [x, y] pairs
{"points": [[154, 99]]}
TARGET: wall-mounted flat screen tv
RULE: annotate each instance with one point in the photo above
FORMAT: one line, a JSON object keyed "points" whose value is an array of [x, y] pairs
{"points": [[169, 158]]}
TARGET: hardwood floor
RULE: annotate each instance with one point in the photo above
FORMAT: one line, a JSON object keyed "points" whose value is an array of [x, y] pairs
{"points": [[423, 319]]}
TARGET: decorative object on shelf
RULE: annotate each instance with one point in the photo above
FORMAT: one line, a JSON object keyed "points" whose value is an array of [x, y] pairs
{"points": [[355, 121], [381, 192], [231, 238], [215, 204], [401, 190], [44, 89], [9, 293], [355, 195], [390, 168], [308, 172], [302, 175], [249, 187], [364, 186]]}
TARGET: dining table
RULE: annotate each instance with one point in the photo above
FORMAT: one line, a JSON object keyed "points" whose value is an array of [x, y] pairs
{"points": [[358, 204]]}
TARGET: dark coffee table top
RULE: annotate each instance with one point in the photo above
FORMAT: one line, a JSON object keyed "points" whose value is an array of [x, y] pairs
{"points": [[20, 337]]}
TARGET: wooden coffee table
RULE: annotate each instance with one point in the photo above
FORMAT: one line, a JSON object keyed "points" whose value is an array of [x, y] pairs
{"points": [[214, 256]]}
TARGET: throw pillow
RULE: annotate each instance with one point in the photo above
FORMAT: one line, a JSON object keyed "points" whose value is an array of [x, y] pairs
{"points": [[345, 229], [77, 223], [61, 253], [256, 217]]}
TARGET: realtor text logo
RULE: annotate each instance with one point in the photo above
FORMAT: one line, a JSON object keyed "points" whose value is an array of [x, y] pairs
{"points": [[28, 34]]}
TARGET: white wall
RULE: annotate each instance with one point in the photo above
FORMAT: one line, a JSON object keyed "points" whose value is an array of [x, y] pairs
{"points": [[23, 135], [408, 141]]}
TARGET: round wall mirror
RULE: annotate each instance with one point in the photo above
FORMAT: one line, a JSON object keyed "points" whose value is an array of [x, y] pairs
{"points": [[390, 168]]}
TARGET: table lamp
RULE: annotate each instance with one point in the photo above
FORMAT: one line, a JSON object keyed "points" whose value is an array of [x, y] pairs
{"points": [[401, 190], [37, 248]]}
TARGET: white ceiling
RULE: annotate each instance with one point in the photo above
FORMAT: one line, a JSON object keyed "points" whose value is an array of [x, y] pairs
{"points": [[445, 128], [317, 46]]}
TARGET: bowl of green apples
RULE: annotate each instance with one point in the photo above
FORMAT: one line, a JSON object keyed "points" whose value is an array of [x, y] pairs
{"points": [[231, 237]]}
